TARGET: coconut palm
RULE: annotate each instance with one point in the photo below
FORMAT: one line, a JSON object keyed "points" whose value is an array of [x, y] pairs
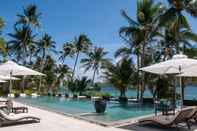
{"points": [[30, 16], [3, 49], [95, 60], [63, 71], [179, 38], [184, 5], [175, 13], [68, 50], [120, 75], [139, 34], [82, 84], [46, 45], [21, 40], [81, 45], [2, 24]]}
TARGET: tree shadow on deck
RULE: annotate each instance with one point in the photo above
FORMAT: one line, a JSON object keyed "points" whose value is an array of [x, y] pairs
{"points": [[137, 127]]}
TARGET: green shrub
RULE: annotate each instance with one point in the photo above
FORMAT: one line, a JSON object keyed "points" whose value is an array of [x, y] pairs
{"points": [[96, 93]]}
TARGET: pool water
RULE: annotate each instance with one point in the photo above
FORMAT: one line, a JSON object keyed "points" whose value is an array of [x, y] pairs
{"points": [[114, 110]]}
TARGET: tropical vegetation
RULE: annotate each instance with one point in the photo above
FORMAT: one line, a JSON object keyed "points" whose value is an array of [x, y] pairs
{"points": [[158, 32]]}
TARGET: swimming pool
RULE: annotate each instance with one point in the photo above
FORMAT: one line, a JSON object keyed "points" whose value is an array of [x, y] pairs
{"points": [[85, 108]]}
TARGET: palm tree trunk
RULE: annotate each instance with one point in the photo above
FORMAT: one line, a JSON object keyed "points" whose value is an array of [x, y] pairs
{"points": [[93, 77], [42, 68], [73, 73], [143, 77], [138, 84]]}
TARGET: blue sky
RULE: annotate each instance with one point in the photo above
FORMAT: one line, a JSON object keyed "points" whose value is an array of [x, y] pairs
{"points": [[65, 19]]}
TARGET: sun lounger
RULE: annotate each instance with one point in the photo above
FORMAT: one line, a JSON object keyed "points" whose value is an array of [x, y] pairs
{"points": [[169, 121], [6, 119]]}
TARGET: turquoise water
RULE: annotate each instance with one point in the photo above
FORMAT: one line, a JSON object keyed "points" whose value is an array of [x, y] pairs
{"points": [[114, 111], [190, 92]]}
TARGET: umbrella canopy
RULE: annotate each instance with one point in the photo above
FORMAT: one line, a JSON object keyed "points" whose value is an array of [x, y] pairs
{"points": [[2, 81], [179, 64], [13, 69], [3, 77], [17, 70], [189, 72]]}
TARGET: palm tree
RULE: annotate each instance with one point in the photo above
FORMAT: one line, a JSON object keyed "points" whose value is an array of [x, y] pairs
{"points": [[120, 75], [175, 13], [68, 50], [21, 40], [82, 84], [142, 32], [184, 5], [63, 71], [179, 38], [2, 24], [30, 16], [95, 60], [3, 49], [45, 46], [81, 45]]}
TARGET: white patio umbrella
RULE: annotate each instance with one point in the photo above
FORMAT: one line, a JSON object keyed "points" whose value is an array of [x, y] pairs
{"points": [[2, 81], [13, 69], [189, 72], [177, 65], [4, 77]]}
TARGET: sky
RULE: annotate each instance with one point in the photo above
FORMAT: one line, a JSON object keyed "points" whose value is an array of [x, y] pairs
{"points": [[100, 20]]}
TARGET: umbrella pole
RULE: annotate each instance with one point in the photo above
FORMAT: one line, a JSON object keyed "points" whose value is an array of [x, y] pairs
{"points": [[180, 82], [10, 85], [181, 94]]}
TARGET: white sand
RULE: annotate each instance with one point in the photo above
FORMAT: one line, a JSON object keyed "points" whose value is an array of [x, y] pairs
{"points": [[51, 121]]}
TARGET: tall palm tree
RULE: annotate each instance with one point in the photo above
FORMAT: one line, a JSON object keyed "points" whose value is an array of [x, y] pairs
{"points": [[175, 13], [63, 71], [30, 16], [46, 45], [184, 5], [81, 45], [2, 24], [3, 49], [68, 50], [179, 38], [120, 75], [142, 32], [95, 60], [20, 42], [82, 84]]}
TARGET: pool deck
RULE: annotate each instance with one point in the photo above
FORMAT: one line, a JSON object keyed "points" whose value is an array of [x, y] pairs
{"points": [[51, 121]]}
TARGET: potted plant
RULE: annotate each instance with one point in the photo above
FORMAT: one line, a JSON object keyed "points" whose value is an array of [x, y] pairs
{"points": [[100, 105]]}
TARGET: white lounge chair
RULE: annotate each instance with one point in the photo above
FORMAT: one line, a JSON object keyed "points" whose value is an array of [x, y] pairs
{"points": [[10, 119]]}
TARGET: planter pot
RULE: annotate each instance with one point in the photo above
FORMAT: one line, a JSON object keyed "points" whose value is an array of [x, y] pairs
{"points": [[17, 95], [123, 99], [100, 106], [66, 95], [107, 98], [75, 96]]}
